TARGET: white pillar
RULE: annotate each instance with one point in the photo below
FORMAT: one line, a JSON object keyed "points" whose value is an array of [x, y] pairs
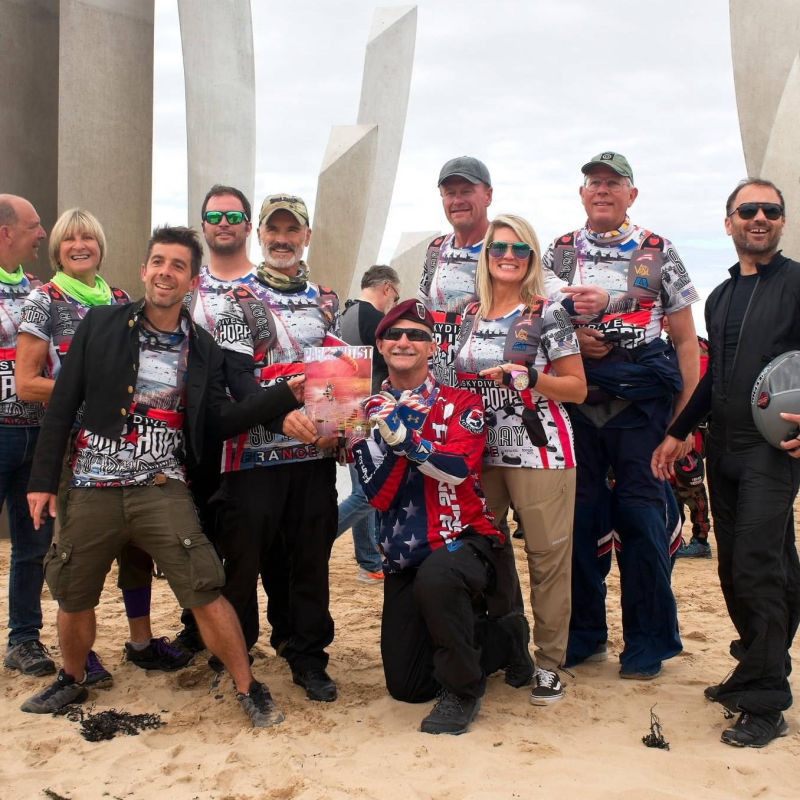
{"points": [[408, 258]]}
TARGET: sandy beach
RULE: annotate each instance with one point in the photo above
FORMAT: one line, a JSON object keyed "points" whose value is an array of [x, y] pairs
{"points": [[367, 745]]}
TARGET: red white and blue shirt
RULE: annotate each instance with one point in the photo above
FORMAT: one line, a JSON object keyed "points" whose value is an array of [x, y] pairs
{"points": [[424, 506]]}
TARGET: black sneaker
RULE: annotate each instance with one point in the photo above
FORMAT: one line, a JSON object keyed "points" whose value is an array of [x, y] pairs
{"points": [[318, 684], [189, 640], [30, 658], [712, 691], [96, 674], [259, 706], [62, 692], [159, 654], [520, 667], [755, 730], [547, 689], [451, 714]]}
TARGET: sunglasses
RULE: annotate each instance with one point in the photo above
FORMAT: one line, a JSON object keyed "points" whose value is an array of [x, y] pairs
{"points": [[412, 334], [771, 211], [518, 249], [233, 217]]}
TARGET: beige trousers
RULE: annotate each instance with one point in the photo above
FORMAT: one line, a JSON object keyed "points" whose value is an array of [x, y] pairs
{"points": [[545, 502]]}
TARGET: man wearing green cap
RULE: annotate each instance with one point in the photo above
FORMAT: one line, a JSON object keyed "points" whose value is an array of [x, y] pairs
{"points": [[637, 383]]}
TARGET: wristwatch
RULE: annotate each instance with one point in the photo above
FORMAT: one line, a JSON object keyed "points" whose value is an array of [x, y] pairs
{"points": [[520, 379]]}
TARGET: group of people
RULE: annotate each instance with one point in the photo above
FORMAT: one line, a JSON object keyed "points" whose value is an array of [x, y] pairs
{"points": [[538, 380]]}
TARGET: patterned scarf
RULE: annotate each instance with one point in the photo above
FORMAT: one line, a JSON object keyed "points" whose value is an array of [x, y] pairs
{"points": [[289, 284], [97, 295], [610, 237]]}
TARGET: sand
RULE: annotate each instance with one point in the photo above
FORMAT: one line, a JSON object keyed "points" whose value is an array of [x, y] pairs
{"points": [[367, 745]]}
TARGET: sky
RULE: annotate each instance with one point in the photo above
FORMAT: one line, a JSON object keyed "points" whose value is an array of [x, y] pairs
{"points": [[534, 88]]}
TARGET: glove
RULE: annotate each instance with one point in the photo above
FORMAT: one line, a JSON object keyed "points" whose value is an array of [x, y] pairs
{"points": [[390, 426], [412, 410], [373, 404]]}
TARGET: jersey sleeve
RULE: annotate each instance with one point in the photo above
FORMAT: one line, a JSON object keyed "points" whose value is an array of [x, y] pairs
{"points": [[35, 318], [677, 289], [558, 335]]}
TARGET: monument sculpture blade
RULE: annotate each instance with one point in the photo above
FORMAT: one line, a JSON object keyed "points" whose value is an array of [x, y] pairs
{"points": [[219, 77], [408, 258]]}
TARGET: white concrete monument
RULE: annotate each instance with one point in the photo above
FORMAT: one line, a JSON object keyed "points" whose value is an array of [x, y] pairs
{"points": [[766, 68], [219, 79], [408, 258]]}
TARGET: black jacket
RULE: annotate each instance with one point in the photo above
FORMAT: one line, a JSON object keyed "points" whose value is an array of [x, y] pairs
{"points": [[100, 369], [770, 327]]}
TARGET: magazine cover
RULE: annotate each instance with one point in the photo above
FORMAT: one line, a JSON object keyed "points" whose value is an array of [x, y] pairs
{"points": [[338, 380]]}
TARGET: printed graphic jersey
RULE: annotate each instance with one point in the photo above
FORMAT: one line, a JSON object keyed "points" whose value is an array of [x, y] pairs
{"points": [[274, 328], [52, 315], [152, 439], [512, 416], [12, 299], [205, 304], [428, 505], [605, 263]]}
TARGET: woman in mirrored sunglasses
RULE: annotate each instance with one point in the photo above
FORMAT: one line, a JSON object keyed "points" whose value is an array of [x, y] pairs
{"points": [[519, 351], [50, 317]]}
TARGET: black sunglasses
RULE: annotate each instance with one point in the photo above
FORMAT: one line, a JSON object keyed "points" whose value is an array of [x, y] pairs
{"points": [[412, 334], [233, 217], [771, 211]]}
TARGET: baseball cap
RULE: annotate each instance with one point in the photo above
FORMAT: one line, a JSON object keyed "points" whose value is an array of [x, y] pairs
{"points": [[465, 167], [288, 202], [412, 310], [615, 161]]}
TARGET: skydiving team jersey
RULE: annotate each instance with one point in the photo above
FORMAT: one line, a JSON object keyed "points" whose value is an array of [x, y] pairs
{"points": [[524, 429], [52, 315], [207, 301], [641, 271], [428, 505], [152, 440], [12, 300], [274, 328]]}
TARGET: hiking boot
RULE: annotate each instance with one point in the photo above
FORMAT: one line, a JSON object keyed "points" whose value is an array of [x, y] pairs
{"points": [[695, 549], [548, 688], [601, 654], [520, 667], [96, 674], [318, 684], [189, 640], [62, 692], [259, 706], [159, 654], [712, 691], [755, 730], [451, 714], [30, 658], [369, 577]]}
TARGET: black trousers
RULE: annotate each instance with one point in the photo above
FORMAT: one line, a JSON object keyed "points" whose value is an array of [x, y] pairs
{"points": [[435, 631], [752, 492], [280, 521]]}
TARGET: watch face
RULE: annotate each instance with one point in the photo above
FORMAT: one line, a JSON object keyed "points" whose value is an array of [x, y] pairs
{"points": [[520, 380]]}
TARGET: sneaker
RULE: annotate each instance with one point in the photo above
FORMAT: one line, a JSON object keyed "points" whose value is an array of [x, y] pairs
{"points": [[30, 658], [259, 706], [640, 674], [159, 654], [369, 577], [601, 654], [755, 730], [318, 684], [520, 668], [96, 674], [712, 691], [548, 688], [695, 549], [189, 639], [451, 714], [63, 691]]}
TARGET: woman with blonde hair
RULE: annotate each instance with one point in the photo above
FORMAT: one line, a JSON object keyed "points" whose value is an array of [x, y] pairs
{"points": [[519, 351], [50, 317]]}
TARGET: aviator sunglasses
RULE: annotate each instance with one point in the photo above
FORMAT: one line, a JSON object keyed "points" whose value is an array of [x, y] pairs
{"points": [[518, 249], [233, 217], [771, 211], [412, 334]]}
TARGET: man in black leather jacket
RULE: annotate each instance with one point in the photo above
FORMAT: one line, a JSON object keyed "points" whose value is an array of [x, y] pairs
{"points": [[152, 389], [751, 318]]}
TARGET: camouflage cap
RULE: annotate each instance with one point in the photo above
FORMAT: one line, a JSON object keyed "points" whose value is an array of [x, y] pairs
{"points": [[287, 202], [615, 161]]}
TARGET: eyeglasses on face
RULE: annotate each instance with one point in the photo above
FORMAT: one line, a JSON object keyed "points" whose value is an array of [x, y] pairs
{"points": [[412, 334], [518, 249], [613, 185], [233, 217], [771, 211]]}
